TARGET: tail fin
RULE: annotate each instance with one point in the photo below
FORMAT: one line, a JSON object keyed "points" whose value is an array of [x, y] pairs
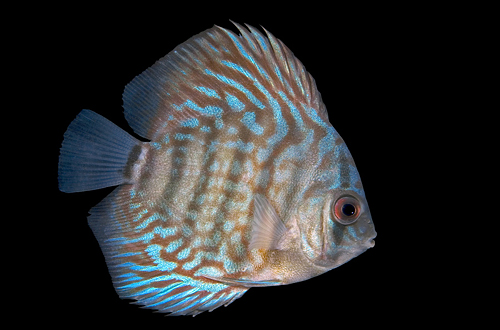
{"points": [[94, 154]]}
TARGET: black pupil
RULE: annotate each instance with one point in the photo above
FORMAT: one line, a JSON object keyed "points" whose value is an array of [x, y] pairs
{"points": [[348, 210]]}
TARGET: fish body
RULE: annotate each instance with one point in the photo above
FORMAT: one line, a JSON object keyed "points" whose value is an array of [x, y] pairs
{"points": [[243, 183]]}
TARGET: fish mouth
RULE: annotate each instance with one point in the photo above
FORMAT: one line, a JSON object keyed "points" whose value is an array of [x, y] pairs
{"points": [[371, 243]]}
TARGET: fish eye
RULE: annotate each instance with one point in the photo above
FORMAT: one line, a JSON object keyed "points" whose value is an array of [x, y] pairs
{"points": [[346, 210]]}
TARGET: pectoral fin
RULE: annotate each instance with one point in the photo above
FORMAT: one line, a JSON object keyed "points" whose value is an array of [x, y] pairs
{"points": [[267, 227]]}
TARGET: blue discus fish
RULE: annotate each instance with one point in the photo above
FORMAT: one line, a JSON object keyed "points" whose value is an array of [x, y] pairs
{"points": [[244, 183]]}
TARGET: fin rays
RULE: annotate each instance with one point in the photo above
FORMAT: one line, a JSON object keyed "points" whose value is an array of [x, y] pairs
{"points": [[149, 100], [267, 227], [93, 154]]}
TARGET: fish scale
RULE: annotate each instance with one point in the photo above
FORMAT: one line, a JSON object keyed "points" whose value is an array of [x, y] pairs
{"points": [[235, 125]]}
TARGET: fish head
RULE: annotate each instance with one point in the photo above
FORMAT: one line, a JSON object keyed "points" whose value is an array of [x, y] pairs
{"points": [[335, 224]]}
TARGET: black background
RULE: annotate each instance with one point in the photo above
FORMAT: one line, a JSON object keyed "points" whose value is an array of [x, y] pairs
{"points": [[376, 69]]}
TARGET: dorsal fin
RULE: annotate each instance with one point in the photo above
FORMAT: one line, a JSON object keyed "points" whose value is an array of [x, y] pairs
{"points": [[210, 68]]}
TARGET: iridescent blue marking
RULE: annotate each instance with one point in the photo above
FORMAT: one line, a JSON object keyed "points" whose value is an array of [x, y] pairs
{"points": [[200, 199], [146, 238], [208, 110], [238, 86], [213, 48], [240, 145], [219, 124], [217, 301], [311, 113], [196, 302], [261, 40], [249, 121], [249, 168], [166, 139], [192, 215], [192, 123], [164, 232], [139, 215], [234, 103], [263, 178], [352, 232], [208, 91], [214, 167], [135, 205], [236, 170], [228, 226], [116, 240], [195, 262], [209, 271], [180, 136], [180, 296], [204, 226], [153, 300], [174, 245], [205, 129], [281, 125], [296, 152], [127, 275], [297, 78], [354, 179], [186, 230], [239, 69], [162, 265], [337, 178], [278, 73], [184, 253], [232, 130], [143, 283], [212, 147], [152, 218], [326, 144], [250, 58], [293, 110], [127, 254]]}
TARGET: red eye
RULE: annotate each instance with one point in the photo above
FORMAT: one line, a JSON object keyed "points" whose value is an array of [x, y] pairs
{"points": [[346, 210]]}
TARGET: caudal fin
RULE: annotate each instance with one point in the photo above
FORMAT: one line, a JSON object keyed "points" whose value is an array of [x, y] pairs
{"points": [[94, 154]]}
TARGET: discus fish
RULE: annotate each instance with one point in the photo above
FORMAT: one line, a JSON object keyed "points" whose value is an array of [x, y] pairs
{"points": [[243, 183]]}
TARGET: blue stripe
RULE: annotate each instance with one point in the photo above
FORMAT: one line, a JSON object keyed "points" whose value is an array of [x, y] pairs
{"points": [[249, 121], [240, 145], [208, 110], [192, 123], [172, 246], [293, 110], [250, 58], [208, 91], [238, 86], [311, 113], [180, 136], [261, 40], [234, 103]]}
